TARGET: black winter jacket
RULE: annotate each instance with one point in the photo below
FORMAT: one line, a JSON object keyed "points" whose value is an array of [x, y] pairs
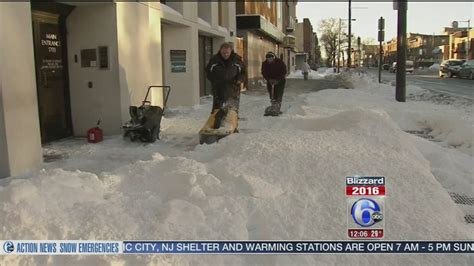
{"points": [[226, 75]]}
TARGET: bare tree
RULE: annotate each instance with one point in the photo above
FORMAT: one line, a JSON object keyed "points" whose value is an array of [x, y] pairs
{"points": [[331, 31], [317, 49]]}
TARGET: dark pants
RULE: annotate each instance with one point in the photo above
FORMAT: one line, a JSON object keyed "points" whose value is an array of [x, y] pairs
{"points": [[229, 98], [277, 90]]}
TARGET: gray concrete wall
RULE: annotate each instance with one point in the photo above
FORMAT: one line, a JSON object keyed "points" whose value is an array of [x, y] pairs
{"points": [[185, 85], [20, 141], [139, 54], [91, 26]]}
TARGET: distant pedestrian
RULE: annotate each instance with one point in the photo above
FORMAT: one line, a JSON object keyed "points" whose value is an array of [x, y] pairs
{"points": [[274, 72], [306, 69]]}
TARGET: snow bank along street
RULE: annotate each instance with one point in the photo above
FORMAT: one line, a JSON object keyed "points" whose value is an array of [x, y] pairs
{"points": [[280, 178]]}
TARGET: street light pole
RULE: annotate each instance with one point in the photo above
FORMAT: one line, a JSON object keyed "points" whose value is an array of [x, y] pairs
{"points": [[401, 50], [381, 38], [339, 48], [468, 38], [349, 38]]}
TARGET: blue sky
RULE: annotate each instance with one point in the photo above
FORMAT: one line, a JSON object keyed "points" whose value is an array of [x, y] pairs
{"points": [[423, 17]]}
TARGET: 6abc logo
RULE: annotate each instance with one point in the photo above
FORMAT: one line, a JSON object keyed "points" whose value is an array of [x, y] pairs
{"points": [[366, 212], [8, 247]]}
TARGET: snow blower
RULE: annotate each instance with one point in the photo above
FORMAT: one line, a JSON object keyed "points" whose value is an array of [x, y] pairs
{"points": [[145, 121]]}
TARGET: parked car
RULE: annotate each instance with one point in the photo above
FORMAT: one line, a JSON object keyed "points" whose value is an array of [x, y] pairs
{"points": [[450, 67], [467, 70], [408, 67], [385, 66]]}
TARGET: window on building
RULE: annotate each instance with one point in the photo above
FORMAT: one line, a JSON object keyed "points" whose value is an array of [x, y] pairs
{"points": [[176, 5]]}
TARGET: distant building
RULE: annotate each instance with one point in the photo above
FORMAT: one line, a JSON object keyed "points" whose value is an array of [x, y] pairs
{"points": [[305, 41], [369, 55], [458, 44], [451, 30], [423, 49], [260, 27], [289, 26], [390, 51]]}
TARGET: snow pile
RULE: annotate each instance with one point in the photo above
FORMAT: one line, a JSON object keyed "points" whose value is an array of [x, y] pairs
{"points": [[434, 66], [447, 124], [298, 74], [281, 178]]}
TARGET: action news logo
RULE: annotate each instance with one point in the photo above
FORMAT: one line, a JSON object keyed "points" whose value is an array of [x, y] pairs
{"points": [[8, 247], [365, 206], [366, 212]]}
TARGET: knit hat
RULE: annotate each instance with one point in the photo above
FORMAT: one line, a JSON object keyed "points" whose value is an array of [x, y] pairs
{"points": [[270, 55]]}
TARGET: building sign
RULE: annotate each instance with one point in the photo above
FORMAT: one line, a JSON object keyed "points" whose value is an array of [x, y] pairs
{"points": [[50, 47], [178, 60], [88, 58]]}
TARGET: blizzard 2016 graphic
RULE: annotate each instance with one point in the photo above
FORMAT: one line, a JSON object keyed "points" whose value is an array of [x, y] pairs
{"points": [[365, 186], [365, 207]]}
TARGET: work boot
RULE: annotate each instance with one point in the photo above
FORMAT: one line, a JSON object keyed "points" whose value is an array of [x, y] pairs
{"points": [[276, 106]]}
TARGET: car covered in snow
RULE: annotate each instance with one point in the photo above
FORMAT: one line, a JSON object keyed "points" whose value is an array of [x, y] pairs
{"points": [[467, 70], [450, 67]]}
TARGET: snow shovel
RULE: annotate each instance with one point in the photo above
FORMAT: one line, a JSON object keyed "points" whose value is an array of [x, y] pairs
{"points": [[221, 123]]}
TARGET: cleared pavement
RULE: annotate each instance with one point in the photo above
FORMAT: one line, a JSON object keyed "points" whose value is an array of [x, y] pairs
{"points": [[431, 81]]}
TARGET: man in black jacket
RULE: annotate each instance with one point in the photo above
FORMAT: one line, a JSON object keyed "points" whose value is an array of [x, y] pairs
{"points": [[226, 72]]}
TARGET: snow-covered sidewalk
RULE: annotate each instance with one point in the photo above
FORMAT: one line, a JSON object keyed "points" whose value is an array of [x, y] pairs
{"points": [[280, 178]]}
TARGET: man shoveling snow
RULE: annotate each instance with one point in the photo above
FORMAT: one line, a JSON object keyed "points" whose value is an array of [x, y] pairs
{"points": [[274, 72], [226, 71]]}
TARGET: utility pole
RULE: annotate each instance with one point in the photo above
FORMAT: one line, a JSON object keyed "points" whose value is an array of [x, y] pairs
{"points": [[339, 48], [349, 50], [357, 56], [381, 39], [468, 38], [402, 7]]}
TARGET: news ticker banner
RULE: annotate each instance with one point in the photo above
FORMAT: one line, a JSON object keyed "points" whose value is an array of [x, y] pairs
{"points": [[365, 207], [82, 247]]}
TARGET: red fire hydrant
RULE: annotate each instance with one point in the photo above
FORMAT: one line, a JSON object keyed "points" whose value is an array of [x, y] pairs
{"points": [[95, 134]]}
